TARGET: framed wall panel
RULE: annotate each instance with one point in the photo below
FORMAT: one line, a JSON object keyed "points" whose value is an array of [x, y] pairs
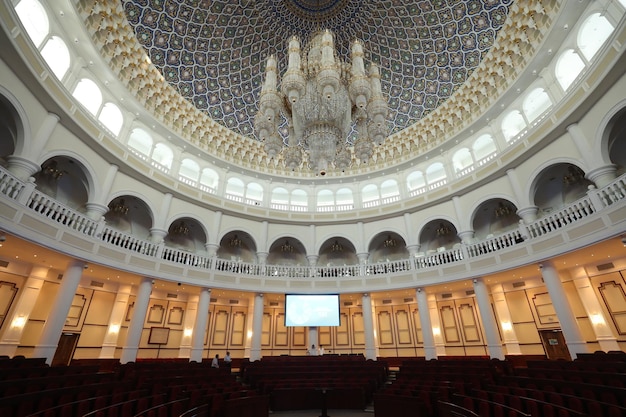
{"points": [[159, 335], [358, 329], [238, 328], [403, 325], [342, 332], [385, 327], [324, 337], [417, 325], [614, 298], [298, 336], [469, 323], [75, 313], [220, 326], [448, 322], [266, 329], [156, 314], [8, 290], [176, 316], [546, 315], [281, 337]]}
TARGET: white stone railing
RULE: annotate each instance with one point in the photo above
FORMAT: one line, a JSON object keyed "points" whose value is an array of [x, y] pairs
{"points": [[25, 194]]}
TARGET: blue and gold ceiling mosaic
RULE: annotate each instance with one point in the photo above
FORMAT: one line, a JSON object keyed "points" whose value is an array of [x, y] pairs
{"points": [[213, 52]]}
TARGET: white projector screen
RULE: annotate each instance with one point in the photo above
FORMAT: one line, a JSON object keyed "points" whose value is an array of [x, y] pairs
{"points": [[311, 310]]}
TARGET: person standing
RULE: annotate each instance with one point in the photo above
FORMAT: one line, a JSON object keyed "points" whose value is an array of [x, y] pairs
{"points": [[227, 361], [215, 363], [313, 351], [321, 350]]}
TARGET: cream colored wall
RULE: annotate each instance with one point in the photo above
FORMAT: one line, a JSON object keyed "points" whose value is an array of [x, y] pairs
{"points": [[397, 326]]}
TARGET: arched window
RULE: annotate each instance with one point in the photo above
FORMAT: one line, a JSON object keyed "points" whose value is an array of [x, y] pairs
{"points": [[535, 103], [279, 198], [389, 189], [163, 155], [484, 146], [344, 198], [254, 193], [209, 178], [141, 141], [568, 66], [325, 199], [435, 173], [235, 187], [593, 33], [189, 169], [88, 94], [370, 195], [34, 19], [300, 199], [512, 124], [415, 181], [461, 160], [57, 56], [111, 117]]}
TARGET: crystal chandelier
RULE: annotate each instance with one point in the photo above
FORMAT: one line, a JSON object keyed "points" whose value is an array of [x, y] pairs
{"points": [[322, 98]]}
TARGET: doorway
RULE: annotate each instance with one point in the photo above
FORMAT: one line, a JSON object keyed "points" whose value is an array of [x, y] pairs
{"points": [[65, 349], [554, 344]]}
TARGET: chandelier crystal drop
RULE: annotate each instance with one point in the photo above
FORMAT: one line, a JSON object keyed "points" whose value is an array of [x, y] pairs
{"points": [[322, 99]]}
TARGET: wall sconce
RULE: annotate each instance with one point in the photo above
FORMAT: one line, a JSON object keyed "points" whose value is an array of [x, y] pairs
{"points": [[187, 332], [249, 334], [19, 322], [114, 328], [507, 326], [436, 331], [597, 319]]}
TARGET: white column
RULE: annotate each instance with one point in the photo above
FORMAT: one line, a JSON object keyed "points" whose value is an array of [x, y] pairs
{"points": [[573, 337], [158, 231], [120, 306], [313, 339], [98, 207], [200, 325], [257, 328], [601, 174], [489, 322], [53, 328], [506, 322], [212, 244], [427, 328], [23, 164], [526, 211], [604, 334], [368, 327], [440, 346], [23, 307], [129, 352], [184, 351]]}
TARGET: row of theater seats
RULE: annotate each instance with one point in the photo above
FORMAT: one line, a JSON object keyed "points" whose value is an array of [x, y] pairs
{"points": [[593, 386], [339, 382], [147, 388]]}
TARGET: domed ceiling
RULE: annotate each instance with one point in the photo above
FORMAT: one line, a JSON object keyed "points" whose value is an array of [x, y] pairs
{"points": [[213, 52]]}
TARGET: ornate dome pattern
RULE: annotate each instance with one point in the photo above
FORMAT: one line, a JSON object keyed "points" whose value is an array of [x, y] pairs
{"points": [[213, 52]]}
